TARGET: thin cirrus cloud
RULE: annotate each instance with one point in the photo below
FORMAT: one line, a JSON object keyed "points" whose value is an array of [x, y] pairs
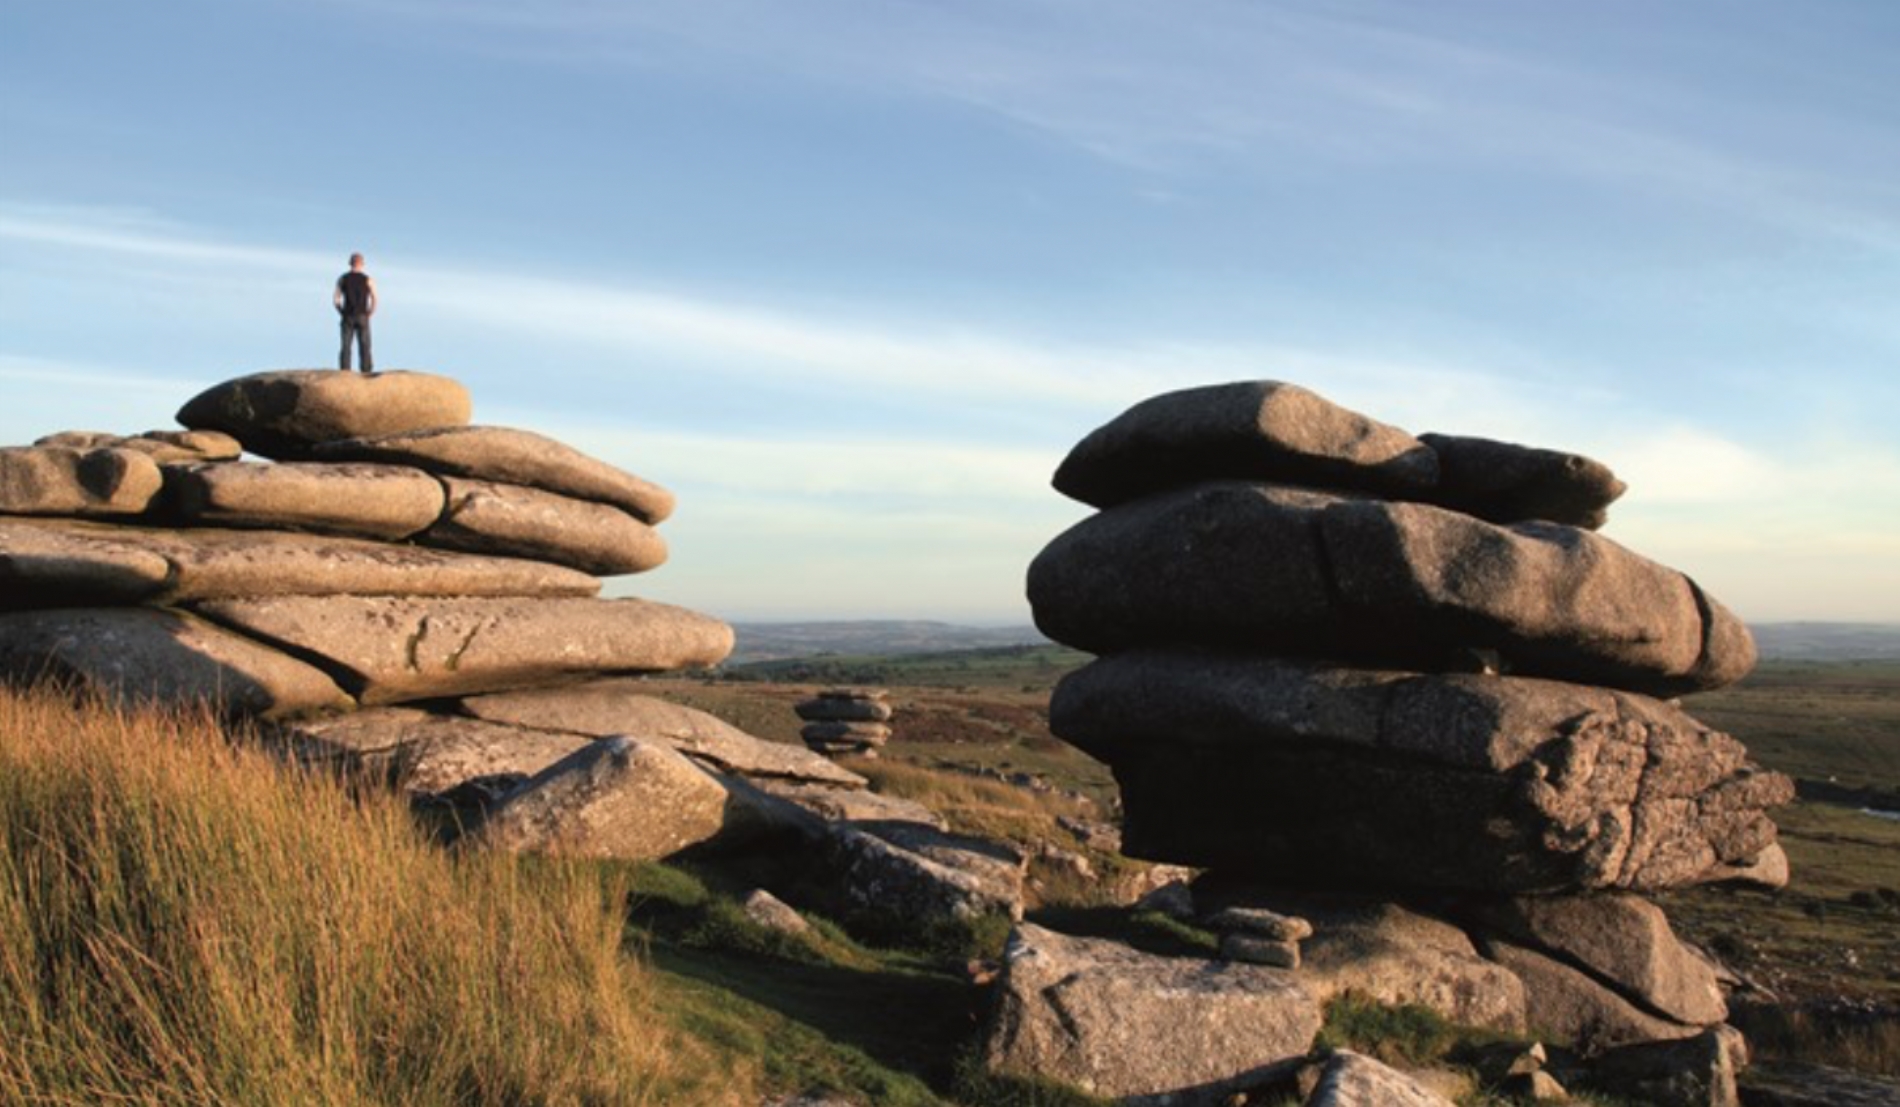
{"points": [[1162, 89]]}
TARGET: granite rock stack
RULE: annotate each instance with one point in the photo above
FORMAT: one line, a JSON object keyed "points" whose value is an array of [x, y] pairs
{"points": [[405, 594], [1348, 672], [846, 721]]}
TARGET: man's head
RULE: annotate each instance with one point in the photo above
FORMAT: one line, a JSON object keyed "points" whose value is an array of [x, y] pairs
{"points": [[356, 261]]}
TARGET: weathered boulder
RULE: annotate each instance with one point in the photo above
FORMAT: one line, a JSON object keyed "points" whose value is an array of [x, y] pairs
{"points": [[1142, 1028], [394, 648], [163, 446], [1355, 1080], [773, 913], [1383, 951], [1261, 567], [1307, 773], [621, 798], [1564, 1005], [55, 566], [508, 456], [517, 521], [283, 412], [424, 752], [145, 654], [373, 501], [1508, 483], [1623, 941], [60, 480], [1691, 1072], [910, 873], [601, 708], [1262, 430], [70, 555]]}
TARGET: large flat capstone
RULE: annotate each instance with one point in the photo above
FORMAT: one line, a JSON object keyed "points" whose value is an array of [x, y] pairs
{"points": [[152, 655], [283, 412], [106, 564], [1262, 430], [1265, 567], [508, 456], [388, 649], [517, 521], [372, 501]]}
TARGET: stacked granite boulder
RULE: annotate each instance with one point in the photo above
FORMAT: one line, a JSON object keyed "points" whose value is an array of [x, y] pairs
{"points": [[846, 721], [1395, 686], [400, 591]]}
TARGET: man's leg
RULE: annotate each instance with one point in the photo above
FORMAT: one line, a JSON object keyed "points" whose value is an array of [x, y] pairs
{"points": [[362, 341], [343, 355]]}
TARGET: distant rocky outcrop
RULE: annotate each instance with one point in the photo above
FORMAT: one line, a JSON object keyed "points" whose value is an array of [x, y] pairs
{"points": [[1395, 689], [404, 594]]}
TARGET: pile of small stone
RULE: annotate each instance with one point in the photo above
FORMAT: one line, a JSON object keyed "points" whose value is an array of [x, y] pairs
{"points": [[1398, 687], [846, 721]]}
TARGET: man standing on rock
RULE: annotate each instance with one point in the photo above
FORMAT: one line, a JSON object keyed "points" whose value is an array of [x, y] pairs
{"points": [[355, 301]]}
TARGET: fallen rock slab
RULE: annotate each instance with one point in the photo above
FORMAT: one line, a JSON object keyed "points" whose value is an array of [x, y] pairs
{"points": [[60, 480], [371, 501], [516, 521], [152, 655], [1140, 1028], [1564, 1005], [1624, 941], [70, 555], [912, 874], [1261, 567], [601, 708], [621, 798], [283, 412], [394, 648], [1263, 430], [427, 753], [54, 566], [507, 456]]}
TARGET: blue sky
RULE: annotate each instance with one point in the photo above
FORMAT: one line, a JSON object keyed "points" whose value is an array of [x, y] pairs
{"points": [[851, 277]]}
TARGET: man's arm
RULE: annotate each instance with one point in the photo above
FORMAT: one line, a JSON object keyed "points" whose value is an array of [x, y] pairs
{"points": [[370, 308], [336, 297]]}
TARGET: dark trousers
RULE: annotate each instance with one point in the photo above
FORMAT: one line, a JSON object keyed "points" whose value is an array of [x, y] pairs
{"points": [[358, 325]]}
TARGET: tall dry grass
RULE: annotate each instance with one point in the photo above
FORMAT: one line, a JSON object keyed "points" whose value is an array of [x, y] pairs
{"points": [[182, 920]]}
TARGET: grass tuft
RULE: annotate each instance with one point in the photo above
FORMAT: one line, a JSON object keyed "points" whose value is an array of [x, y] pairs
{"points": [[183, 920]]}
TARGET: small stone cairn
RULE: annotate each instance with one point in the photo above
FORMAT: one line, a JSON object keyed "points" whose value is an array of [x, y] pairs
{"points": [[1398, 688], [402, 592], [846, 721]]}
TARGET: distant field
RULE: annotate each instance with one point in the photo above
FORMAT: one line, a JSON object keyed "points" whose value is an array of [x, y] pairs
{"points": [[1825, 723]]}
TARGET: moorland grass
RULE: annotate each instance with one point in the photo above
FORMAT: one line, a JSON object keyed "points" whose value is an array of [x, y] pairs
{"points": [[183, 920]]}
